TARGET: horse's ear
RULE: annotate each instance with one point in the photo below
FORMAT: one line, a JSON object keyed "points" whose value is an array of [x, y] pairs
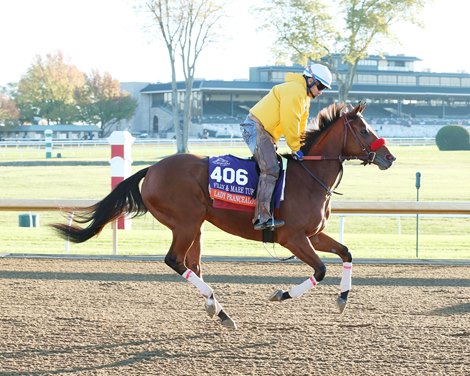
{"points": [[358, 109], [355, 110], [362, 106]]}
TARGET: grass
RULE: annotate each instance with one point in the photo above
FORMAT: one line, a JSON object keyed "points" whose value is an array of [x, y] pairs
{"points": [[140, 152], [445, 177]]}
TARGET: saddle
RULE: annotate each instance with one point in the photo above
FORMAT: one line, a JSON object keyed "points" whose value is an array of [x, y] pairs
{"points": [[233, 182]]}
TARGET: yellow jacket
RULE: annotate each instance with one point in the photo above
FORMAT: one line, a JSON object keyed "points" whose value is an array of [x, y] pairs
{"points": [[284, 110]]}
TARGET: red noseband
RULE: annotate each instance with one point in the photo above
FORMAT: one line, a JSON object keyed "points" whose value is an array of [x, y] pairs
{"points": [[377, 144]]}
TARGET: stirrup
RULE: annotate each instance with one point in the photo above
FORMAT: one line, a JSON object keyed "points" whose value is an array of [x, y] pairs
{"points": [[271, 223]]}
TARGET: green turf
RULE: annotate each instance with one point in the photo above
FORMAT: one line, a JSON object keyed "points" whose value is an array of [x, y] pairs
{"points": [[445, 177]]}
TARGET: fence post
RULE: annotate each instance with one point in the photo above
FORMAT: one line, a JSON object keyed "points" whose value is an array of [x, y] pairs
{"points": [[121, 162], [341, 228], [48, 142], [418, 186], [69, 223]]}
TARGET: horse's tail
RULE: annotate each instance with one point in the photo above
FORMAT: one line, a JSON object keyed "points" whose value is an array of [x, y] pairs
{"points": [[125, 198]]}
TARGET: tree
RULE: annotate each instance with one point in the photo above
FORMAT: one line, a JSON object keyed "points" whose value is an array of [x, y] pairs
{"points": [[9, 112], [201, 18], [101, 101], [364, 24], [47, 90], [453, 137], [303, 29], [166, 15], [186, 27]]}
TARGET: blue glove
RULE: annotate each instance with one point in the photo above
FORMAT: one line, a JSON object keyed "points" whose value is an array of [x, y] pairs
{"points": [[298, 155]]}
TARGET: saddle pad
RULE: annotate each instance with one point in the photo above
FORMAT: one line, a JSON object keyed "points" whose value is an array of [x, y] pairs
{"points": [[233, 182]]}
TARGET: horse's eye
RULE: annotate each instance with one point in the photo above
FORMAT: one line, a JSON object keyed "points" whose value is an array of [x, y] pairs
{"points": [[364, 132]]}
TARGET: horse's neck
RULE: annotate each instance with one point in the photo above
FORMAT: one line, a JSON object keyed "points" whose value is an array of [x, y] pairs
{"points": [[330, 144]]}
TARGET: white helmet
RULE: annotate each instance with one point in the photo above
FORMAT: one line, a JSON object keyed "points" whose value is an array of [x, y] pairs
{"points": [[320, 73]]}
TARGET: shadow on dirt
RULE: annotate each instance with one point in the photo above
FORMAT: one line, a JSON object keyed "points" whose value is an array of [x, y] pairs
{"points": [[132, 350], [239, 279], [456, 309]]}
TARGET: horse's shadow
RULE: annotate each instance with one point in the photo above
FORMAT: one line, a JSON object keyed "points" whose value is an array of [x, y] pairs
{"points": [[134, 357], [456, 309]]}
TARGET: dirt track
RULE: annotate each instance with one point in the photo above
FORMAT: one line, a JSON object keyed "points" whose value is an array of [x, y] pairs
{"points": [[74, 317]]}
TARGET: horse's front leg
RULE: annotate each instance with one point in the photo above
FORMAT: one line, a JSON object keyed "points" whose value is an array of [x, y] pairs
{"points": [[301, 247], [324, 243]]}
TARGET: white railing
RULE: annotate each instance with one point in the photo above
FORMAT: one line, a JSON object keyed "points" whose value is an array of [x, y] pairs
{"points": [[340, 208], [238, 141]]}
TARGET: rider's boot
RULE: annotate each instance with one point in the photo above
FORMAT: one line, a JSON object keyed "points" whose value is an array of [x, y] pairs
{"points": [[264, 218]]}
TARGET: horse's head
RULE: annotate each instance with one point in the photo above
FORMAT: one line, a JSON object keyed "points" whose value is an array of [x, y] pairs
{"points": [[344, 135], [361, 142]]}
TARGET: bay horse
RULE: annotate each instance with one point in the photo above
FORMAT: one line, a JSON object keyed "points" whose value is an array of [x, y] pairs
{"points": [[175, 192]]}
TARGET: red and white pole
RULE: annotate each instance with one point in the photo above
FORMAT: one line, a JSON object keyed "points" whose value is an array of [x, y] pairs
{"points": [[121, 162]]}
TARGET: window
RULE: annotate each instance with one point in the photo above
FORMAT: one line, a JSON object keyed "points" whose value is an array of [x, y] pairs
{"points": [[263, 76], [167, 98], [465, 82], [397, 63], [450, 81], [429, 81], [157, 99], [387, 79], [406, 80], [367, 62], [366, 79], [278, 76], [394, 65]]}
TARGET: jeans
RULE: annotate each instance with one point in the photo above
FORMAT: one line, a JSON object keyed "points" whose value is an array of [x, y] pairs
{"points": [[248, 130], [263, 149]]}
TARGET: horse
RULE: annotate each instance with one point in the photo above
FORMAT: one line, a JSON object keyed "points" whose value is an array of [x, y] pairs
{"points": [[175, 192]]}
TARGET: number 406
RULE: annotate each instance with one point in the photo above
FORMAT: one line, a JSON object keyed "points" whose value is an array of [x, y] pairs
{"points": [[229, 175]]}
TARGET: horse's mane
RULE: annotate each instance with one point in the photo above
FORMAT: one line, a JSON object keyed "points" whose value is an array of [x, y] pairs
{"points": [[325, 118]]}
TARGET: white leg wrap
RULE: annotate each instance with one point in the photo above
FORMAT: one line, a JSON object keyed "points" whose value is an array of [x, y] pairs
{"points": [[299, 290], [218, 307], [192, 278], [346, 283]]}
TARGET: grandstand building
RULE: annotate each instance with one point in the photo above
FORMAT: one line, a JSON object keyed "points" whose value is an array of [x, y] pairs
{"points": [[398, 97]]}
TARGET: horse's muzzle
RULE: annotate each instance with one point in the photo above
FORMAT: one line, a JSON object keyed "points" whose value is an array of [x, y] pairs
{"points": [[384, 161]]}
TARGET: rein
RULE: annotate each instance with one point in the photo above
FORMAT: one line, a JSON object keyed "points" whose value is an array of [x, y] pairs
{"points": [[323, 185]]}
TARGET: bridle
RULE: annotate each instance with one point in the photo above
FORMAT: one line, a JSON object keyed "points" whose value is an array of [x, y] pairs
{"points": [[367, 157], [369, 151]]}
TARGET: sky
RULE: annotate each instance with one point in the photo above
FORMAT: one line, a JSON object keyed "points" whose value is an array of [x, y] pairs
{"points": [[109, 35]]}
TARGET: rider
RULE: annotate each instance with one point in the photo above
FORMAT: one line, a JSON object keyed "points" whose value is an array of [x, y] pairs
{"points": [[283, 111]]}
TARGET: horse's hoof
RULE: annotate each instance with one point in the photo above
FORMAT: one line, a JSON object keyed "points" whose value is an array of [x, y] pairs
{"points": [[229, 324], [210, 307], [341, 303], [276, 296]]}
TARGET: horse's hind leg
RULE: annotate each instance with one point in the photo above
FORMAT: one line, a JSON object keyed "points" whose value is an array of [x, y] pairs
{"points": [[193, 261], [324, 243], [184, 242], [193, 256]]}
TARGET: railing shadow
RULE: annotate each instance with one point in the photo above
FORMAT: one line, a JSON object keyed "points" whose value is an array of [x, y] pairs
{"points": [[226, 278]]}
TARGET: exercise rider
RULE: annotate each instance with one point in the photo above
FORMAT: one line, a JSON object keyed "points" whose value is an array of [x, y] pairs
{"points": [[283, 111]]}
